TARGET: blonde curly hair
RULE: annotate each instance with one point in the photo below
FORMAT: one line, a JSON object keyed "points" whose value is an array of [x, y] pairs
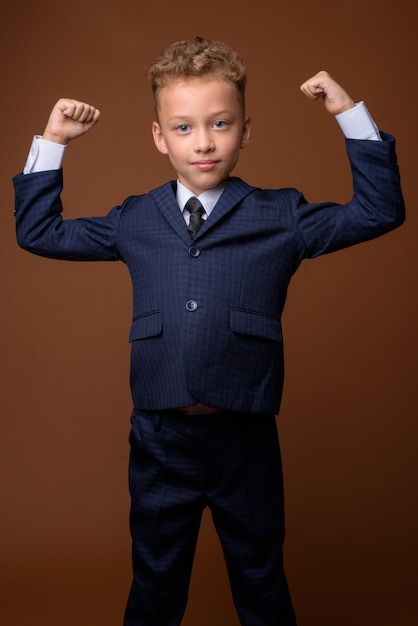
{"points": [[197, 57]]}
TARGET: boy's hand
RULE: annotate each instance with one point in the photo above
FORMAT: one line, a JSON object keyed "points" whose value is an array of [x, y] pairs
{"points": [[70, 119], [336, 100]]}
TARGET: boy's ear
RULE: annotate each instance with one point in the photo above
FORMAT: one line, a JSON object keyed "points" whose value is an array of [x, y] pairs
{"points": [[159, 138], [246, 132]]}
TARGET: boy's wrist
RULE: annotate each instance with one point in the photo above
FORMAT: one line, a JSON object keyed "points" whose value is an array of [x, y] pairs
{"points": [[349, 104], [54, 138]]}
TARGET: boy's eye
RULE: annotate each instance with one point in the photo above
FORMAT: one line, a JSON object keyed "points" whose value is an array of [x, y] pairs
{"points": [[219, 124], [183, 128]]}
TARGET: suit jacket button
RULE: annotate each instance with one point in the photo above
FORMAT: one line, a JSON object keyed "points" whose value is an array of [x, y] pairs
{"points": [[191, 305], [194, 252]]}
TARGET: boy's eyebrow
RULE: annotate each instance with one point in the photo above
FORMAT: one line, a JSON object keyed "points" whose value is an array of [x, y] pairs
{"points": [[222, 113], [213, 115]]}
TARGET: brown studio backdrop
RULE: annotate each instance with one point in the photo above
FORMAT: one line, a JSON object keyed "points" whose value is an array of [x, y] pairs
{"points": [[348, 420]]}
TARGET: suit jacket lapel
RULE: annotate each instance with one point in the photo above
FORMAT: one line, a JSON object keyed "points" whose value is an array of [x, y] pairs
{"points": [[165, 199], [235, 191]]}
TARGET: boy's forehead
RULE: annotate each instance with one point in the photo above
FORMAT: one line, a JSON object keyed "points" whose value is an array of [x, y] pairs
{"points": [[181, 89]]}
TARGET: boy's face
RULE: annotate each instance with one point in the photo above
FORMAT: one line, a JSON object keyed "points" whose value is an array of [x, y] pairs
{"points": [[202, 128]]}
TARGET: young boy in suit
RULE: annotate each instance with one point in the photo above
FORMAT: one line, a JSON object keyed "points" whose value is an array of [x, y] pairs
{"points": [[209, 279]]}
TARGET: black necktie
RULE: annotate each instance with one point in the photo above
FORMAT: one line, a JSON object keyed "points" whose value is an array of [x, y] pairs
{"points": [[196, 210]]}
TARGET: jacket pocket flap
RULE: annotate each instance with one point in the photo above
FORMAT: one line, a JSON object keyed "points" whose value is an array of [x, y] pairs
{"points": [[256, 324], [146, 325]]}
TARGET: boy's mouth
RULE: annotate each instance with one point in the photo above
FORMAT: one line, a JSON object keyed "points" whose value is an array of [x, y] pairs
{"points": [[205, 165]]}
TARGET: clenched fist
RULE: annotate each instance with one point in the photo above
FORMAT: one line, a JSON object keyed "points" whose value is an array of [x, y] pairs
{"points": [[336, 100], [70, 119]]}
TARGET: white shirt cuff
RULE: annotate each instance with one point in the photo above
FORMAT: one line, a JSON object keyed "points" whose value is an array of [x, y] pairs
{"points": [[44, 155], [357, 123]]}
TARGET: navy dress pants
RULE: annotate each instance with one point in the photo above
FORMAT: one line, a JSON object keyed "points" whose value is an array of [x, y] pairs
{"points": [[180, 464]]}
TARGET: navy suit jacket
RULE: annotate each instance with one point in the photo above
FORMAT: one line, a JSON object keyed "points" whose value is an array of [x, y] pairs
{"points": [[207, 314]]}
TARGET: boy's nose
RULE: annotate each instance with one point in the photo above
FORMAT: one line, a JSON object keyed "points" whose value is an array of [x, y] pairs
{"points": [[204, 141]]}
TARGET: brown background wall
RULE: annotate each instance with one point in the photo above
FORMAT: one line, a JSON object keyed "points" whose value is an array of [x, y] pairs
{"points": [[349, 418]]}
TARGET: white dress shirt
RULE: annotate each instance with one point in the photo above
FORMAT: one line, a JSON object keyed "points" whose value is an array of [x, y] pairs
{"points": [[208, 199]]}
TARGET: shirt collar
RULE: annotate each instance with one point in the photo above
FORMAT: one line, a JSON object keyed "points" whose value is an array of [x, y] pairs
{"points": [[208, 198]]}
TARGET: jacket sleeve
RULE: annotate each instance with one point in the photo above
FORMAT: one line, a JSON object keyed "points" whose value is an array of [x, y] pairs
{"points": [[376, 207], [41, 230]]}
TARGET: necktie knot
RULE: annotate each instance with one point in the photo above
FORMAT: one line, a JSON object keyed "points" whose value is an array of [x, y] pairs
{"points": [[196, 210]]}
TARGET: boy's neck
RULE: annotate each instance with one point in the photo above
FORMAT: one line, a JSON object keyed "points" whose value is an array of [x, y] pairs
{"points": [[208, 198]]}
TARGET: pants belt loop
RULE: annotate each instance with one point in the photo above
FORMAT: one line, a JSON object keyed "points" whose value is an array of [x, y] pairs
{"points": [[157, 422]]}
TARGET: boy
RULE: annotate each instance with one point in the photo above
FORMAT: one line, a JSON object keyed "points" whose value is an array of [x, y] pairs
{"points": [[209, 285]]}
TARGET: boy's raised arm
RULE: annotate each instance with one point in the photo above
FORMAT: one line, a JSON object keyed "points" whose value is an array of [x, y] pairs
{"points": [[70, 119]]}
